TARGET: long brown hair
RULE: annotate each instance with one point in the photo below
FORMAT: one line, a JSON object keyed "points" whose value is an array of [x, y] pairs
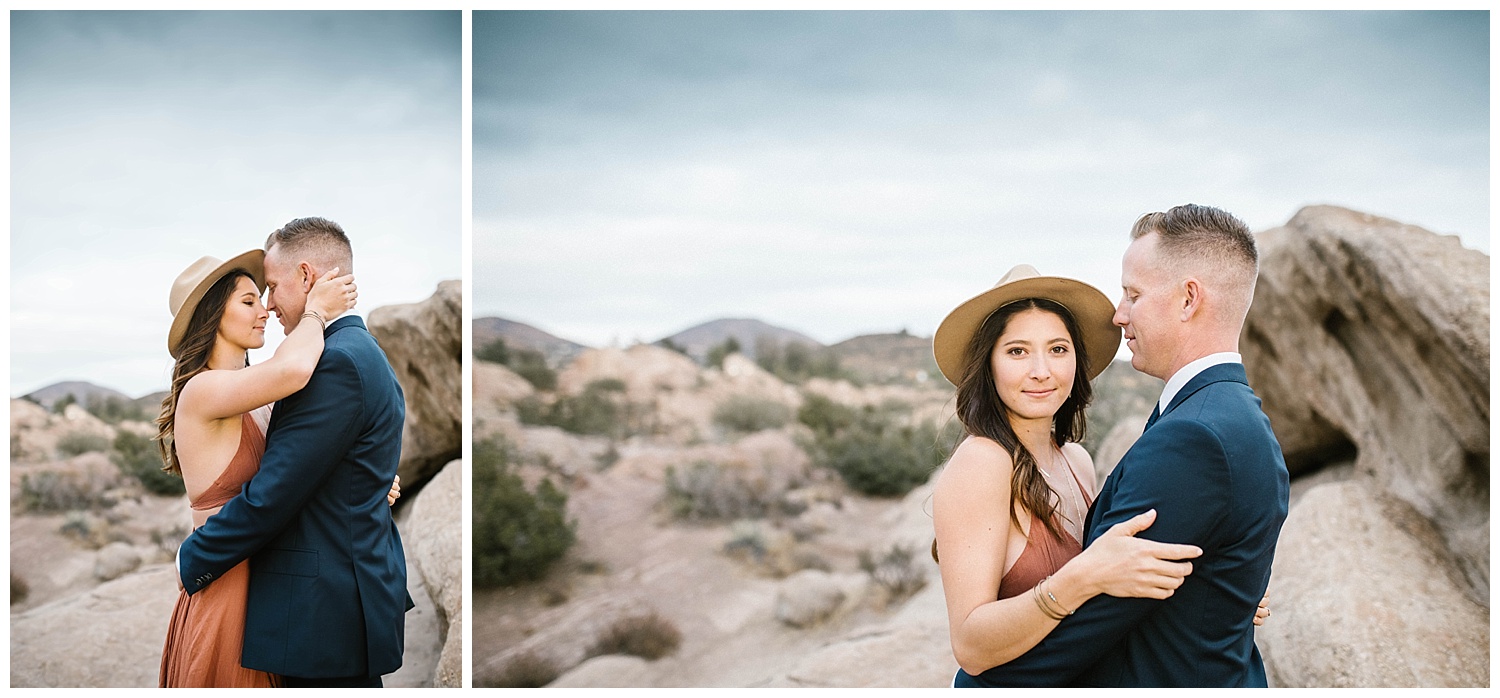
{"points": [[982, 413], [192, 359]]}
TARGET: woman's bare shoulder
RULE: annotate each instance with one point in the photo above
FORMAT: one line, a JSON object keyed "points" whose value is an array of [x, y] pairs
{"points": [[976, 461]]}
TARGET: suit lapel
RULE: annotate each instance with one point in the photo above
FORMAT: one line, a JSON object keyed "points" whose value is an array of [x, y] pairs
{"points": [[1213, 374]]}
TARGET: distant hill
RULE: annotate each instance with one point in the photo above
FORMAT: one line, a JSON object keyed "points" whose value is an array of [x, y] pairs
{"points": [[888, 358], [82, 391], [697, 340], [520, 335]]}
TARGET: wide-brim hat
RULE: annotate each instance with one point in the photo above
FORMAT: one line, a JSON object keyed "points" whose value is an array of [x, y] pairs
{"points": [[195, 281], [1091, 309]]}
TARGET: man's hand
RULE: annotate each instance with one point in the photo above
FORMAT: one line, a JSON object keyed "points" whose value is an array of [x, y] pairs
{"points": [[395, 493], [1263, 611]]}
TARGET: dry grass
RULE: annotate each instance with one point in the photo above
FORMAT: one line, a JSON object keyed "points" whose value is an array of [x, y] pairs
{"points": [[647, 636]]}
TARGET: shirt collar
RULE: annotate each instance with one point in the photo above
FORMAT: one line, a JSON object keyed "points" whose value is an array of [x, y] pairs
{"points": [[1188, 372]]}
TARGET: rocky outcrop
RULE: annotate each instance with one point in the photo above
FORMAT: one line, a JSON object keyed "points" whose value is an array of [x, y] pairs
{"points": [[1363, 594], [424, 343], [809, 597], [1369, 344], [111, 636], [1369, 339], [608, 671], [1116, 444], [433, 536], [911, 650]]}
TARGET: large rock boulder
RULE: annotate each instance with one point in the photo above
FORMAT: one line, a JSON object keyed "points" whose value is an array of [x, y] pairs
{"points": [[433, 536], [608, 671], [424, 342], [111, 636], [810, 597], [1363, 594], [1369, 339]]}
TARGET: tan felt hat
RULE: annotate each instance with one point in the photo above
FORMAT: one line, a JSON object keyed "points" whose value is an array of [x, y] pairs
{"points": [[1090, 307], [195, 281]]}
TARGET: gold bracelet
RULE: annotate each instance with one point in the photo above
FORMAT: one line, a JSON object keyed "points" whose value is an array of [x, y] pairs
{"points": [[1054, 598], [1036, 595], [314, 315]]}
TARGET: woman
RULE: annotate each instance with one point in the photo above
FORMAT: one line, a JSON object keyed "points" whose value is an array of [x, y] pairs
{"points": [[211, 433], [1009, 506]]}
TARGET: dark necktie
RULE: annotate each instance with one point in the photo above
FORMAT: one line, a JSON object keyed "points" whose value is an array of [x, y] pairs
{"points": [[1155, 414]]}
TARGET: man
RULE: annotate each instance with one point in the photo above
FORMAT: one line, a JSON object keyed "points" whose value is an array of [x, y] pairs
{"points": [[1208, 463], [328, 573]]}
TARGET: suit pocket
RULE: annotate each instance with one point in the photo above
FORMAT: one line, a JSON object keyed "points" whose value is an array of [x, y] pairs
{"points": [[299, 563]]}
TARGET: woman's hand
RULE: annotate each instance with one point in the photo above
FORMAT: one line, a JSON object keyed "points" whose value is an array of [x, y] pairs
{"points": [[395, 493], [1263, 611], [332, 295], [1121, 565]]}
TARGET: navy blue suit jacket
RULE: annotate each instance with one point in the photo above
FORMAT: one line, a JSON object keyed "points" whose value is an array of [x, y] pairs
{"points": [[1213, 470], [327, 572]]}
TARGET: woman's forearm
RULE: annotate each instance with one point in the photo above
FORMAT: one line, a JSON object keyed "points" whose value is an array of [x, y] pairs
{"points": [[1002, 630], [297, 356]]}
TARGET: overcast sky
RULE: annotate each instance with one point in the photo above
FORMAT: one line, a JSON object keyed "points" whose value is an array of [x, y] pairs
{"points": [[848, 173], [141, 141]]}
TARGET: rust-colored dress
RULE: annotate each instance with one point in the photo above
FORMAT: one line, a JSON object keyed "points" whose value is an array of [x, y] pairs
{"points": [[208, 628], [1044, 554]]}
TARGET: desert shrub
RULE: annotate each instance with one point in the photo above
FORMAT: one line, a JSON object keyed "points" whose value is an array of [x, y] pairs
{"points": [[823, 415], [708, 490], [648, 636], [667, 343], [795, 362], [527, 363], [94, 531], [525, 670], [517, 533], [879, 455], [494, 351], [774, 553], [78, 442], [61, 404], [720, 351], [114, 410], [600, 409], [895, 570], [747, 413], [52, 491], [137, 457], [19, 589]]}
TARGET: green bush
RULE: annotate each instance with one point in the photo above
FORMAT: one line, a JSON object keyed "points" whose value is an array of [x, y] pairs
{"points": [[795, 362], [825, 416], [137, 457], [600, 409], [720, 351], [878, 455], [517, 533], [748, 414], [78, 442], [61, 404], [647, 636], [114, 410], [494, 352], [527, 363]]}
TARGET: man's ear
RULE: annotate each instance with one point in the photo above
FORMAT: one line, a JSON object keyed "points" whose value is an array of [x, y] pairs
{"points": [[1192, 301], [309, 275]]}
